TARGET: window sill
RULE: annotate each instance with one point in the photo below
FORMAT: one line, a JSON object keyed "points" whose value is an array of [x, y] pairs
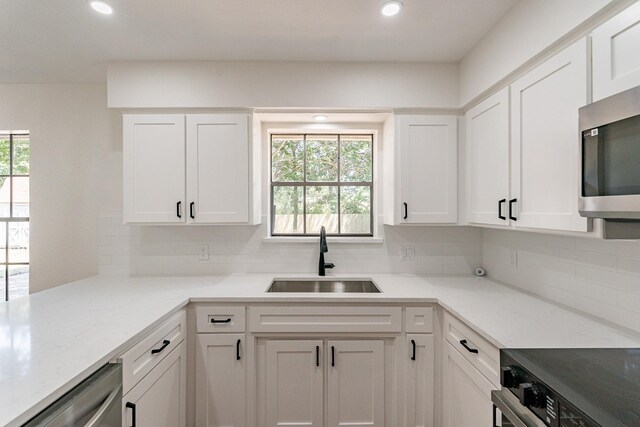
{"points": [[330, 239]]}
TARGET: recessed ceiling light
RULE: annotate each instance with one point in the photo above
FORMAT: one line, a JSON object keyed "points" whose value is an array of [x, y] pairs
{"points": [[391, 8], [102, 7], [320, 117]]}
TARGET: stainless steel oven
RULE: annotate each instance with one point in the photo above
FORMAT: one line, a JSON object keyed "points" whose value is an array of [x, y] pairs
{"points": [[610, 163], [508, 412]]}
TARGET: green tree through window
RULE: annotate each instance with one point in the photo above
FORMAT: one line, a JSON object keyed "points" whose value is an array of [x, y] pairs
{"points": [[321, 180]]}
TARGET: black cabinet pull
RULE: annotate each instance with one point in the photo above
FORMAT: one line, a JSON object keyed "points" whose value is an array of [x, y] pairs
{"points": [[413, 351], [238, 349], [132, 406], [511, 217], [165, 343], [317, 355], [500, 203], [469, 349], [191, 214], [333, 356], [221, 321], [406, 210], [178, 209]]}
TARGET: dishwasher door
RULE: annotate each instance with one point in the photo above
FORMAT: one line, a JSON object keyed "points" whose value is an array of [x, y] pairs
{"points": [[95, 402]]}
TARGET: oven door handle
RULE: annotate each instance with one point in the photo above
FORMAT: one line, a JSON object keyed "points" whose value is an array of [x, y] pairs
{"points": [[518, 415]]}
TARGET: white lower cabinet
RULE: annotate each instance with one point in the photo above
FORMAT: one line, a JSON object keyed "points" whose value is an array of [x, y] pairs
{"points": [[220, 380], [294, 383], [159, 399], [323, 383], [355, 383], [466, 399], [419, 397]]}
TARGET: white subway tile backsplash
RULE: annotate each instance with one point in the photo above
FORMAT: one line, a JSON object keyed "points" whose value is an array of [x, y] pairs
{"points": [[173, 250], [599, 277]]}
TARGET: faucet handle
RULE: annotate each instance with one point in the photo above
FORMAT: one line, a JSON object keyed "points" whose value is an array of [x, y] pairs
{"points": [[329, 265]]}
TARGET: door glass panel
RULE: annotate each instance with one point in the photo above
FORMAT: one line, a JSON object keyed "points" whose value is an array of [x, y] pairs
{"points": [[20, 197], [18, 281], [18, 242]]}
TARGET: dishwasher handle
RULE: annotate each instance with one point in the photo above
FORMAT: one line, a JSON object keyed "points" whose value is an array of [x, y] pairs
{"points": [[104, 409]]}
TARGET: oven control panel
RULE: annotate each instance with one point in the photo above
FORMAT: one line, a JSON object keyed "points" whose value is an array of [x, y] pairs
{"points": [[552, 409]]}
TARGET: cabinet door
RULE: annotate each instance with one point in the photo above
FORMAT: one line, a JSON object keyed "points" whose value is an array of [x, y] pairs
{"points": [[159, 399], [220, 381], [218, 168], [466, 393], [545, 142], [294, 383], [153, 168], [616, 62], [420, 380], [355, 389], [428, 168], [487, 134]]}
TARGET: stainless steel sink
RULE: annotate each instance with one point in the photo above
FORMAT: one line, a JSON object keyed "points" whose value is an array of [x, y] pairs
{"points": [[324, 285]]}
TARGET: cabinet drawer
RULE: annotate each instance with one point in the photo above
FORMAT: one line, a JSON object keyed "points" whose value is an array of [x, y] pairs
{"points": [[418, 320], [144, 356], [486, 359], [216, 319], [325, 319]]}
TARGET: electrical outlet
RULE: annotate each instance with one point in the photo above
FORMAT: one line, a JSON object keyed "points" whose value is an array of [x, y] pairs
{"points": [[203, 253], [407, 253]]}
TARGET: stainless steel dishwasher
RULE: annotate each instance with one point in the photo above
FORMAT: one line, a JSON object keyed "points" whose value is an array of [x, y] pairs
{"points": [[95, 402]]}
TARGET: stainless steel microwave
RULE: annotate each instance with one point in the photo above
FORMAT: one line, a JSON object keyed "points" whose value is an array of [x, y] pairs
{"points": [[610, 163]]}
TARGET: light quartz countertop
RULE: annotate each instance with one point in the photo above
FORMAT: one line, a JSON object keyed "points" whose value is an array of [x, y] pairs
{"points": [[52, 340]]}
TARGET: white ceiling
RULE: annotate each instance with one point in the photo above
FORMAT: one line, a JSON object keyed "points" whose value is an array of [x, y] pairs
{"points": [[66, 41]]}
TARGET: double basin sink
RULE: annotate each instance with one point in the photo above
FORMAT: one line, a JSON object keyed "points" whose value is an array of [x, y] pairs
{"points": [[365, 286]]}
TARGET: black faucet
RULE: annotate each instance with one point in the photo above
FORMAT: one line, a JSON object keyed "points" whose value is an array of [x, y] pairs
{"points": [[323, 250]]}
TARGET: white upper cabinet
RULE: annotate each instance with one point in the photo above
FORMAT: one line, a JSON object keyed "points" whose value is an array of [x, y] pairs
{"points": [[154, 168], [218, 168], [197, 176], [545, 142], [426, 170], [487, 135], [616, 58]]}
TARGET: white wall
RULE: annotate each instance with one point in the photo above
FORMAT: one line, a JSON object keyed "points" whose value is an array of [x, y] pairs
{"points": [[282, 84], [596, 276], [525, 31], [67, 124]]}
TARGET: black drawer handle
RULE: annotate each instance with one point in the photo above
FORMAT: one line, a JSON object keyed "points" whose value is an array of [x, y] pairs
{"points": [[165, 343], [179, 210], [191, 214], [238, 350], [406, 210], [500, 203], [132, 406], [413, 351], [511, 202], [317, 355], [221, 321], [333, 356], [469, 349]]}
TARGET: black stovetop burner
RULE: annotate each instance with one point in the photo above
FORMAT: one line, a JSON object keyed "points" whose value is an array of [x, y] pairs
{"points": [[603, 384]]}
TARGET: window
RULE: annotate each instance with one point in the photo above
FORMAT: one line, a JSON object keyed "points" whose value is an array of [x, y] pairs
{"points": [[14, 214], [321, 180]]}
